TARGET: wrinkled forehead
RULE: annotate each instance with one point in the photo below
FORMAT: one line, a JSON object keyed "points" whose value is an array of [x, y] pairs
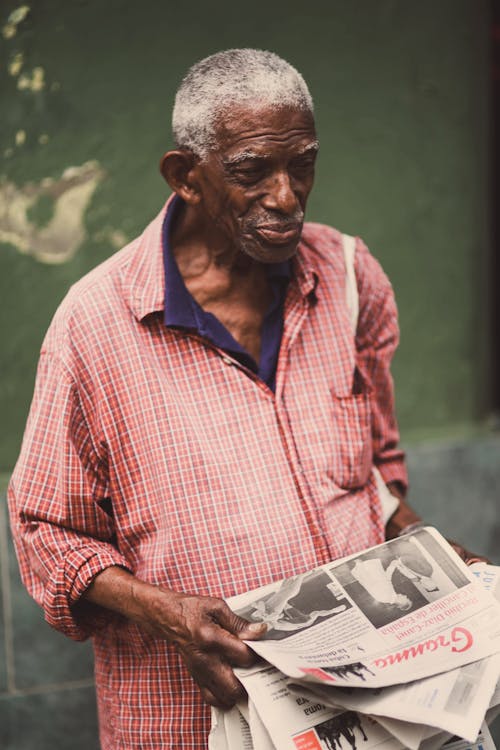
{"points": [[254, 125]]}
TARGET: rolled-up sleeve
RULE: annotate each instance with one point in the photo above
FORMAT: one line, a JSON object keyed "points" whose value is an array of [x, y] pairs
{"points": [[59, 502], [377, 338]]}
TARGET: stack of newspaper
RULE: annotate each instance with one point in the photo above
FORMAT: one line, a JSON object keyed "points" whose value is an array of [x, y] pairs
{"points": [[396, 647]]}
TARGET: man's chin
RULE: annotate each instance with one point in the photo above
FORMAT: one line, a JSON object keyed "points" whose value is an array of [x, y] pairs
{"points": [[265, 252]]}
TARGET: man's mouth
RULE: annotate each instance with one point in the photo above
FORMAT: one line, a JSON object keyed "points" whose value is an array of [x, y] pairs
{"points": [[279, 235]]}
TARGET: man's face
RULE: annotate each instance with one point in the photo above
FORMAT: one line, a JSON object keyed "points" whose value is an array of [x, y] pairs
{"points": [[255, 183]]}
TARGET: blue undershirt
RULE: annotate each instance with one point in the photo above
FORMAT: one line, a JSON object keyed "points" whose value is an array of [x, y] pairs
{"points": [[182, 310]]}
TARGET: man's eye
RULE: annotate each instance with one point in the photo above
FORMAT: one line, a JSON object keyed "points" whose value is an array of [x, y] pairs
{"points": [[248, 176], [303, 166]]}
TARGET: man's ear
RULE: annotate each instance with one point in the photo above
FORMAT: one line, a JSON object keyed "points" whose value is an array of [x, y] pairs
{"points": [[178, 169]]}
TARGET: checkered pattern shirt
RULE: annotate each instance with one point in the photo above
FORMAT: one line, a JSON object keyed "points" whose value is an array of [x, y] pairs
{"points": [[150, 448]]}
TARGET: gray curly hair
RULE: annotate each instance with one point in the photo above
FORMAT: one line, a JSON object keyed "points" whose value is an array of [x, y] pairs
{"points": [[234, 76]]}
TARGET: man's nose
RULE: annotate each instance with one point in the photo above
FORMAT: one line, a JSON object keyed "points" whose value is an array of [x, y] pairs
{"points": [[280, 195]]}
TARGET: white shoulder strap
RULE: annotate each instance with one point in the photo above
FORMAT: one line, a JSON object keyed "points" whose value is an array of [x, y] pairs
{"points": [[351, 287], [388, 502]]}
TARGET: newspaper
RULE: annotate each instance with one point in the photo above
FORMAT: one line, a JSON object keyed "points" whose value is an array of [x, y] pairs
{"points": [[484, 741], [344, 730], [230, 731], [293, 721], [454, 701], [406, 621], [405, 610]]}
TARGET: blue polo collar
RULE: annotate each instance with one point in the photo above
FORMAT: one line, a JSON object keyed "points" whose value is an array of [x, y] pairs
{"points": [[182, 311]]}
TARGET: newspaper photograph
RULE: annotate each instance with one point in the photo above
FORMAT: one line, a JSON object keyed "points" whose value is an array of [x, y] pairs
{"points": [[402, 611]]}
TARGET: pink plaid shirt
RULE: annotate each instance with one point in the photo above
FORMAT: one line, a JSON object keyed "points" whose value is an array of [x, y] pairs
{"points": [[216, 484]]}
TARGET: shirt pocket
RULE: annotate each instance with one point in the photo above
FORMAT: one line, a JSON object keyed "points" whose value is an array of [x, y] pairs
{"points": [[353, 453]]}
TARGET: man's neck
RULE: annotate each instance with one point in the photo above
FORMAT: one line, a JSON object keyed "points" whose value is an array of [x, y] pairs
{"points": [[197, 244], [223, 281], [209, 265]]}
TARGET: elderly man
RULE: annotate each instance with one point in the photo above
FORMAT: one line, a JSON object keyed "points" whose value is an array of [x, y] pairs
{"points": [[205, 420]]}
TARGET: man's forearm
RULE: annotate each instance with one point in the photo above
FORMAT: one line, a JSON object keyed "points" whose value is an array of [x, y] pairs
{"points": [[209, 636], [119, 591]]}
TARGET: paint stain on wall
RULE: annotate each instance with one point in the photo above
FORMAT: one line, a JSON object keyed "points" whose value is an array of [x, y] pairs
{"points": [[34, 81], [16, 63], [17, 16], [46, 219]]}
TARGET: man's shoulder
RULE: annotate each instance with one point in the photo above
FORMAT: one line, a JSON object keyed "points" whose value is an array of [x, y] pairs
{"points": [[129, 283], [322, 241], [109, 296], [98, 286], [323, 246], [326, 244]]}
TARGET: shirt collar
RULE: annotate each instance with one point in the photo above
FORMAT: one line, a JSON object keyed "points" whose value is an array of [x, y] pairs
{"points": [[179, 309]]}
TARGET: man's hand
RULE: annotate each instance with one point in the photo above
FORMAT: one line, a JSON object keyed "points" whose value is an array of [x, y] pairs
{"points": [[207, 633], [405, 517], [209, 637], [468, 557]]}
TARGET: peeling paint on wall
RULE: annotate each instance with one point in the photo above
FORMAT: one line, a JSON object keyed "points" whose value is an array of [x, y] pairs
{"points": [[115, 237], [15, 18], [16, 64], [57, 240], [33, 82]]}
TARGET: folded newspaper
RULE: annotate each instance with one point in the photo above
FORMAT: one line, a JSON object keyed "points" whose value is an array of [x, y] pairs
{"points": [[395, 647]]}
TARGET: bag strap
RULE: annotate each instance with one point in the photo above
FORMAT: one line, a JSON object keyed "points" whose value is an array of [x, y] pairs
{"points": [[388, 502], [351, 286]]}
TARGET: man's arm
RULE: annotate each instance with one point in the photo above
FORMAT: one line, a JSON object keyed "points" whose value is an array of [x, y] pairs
{"points": [[376, 340], [64, 537], [62, 529], [66, 570], [208, 635], [405, 519], [377, 337]]}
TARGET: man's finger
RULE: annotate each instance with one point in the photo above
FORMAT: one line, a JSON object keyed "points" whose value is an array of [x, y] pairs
{"points": [[476, 559], [217, 682], [252, 631], [240, 627], [211, 699], [216, 639], [469, 558]]}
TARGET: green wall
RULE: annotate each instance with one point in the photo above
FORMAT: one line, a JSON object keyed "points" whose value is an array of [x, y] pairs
{"points": [[401, 99]]}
